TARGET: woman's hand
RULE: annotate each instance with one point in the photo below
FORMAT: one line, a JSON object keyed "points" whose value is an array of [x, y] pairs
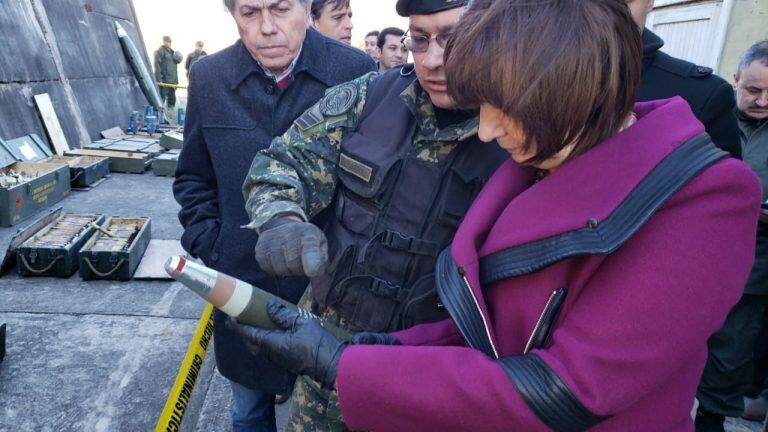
{"points": [[302, 346]]}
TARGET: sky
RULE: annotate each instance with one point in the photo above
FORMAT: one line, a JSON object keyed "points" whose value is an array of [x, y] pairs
{"points": [[187, 21]]}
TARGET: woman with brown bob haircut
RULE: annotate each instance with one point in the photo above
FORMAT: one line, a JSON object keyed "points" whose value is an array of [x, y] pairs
{"points": [[585, 279]]}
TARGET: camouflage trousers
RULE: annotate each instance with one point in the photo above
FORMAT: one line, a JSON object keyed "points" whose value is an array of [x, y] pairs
{"points": [[313, 408]]}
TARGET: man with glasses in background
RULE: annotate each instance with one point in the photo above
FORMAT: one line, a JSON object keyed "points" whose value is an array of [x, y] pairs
{"points": [[400, 165]]}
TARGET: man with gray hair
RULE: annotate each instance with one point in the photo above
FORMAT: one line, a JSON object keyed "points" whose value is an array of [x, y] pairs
{"points": [[240, 98], [728, 372]]}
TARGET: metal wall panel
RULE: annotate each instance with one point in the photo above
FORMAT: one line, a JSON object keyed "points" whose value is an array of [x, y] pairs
{"points": [[24, 56], [107, 102], [18, 115], [86, 36], [45, 39]]}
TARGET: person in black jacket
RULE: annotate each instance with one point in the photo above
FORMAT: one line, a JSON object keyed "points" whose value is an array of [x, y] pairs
{"points": [[711, 98], [194, 56], [240, 99], [166, 70]]}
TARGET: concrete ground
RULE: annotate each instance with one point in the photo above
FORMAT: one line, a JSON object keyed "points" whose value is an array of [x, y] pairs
{"points": [[102, 356]]}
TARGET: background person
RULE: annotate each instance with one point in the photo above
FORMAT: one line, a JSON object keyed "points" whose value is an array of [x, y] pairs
{"points": [[710, 97], [239, 99], [371, 44], [166, 70], [578, 313], [392, 52], [194, 56], [729, 370], [333, 18]]}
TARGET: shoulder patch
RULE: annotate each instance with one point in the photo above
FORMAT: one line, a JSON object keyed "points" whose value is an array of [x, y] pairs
{"points": [[311, 118], [673, 65], [339, 100], [700, 71]]}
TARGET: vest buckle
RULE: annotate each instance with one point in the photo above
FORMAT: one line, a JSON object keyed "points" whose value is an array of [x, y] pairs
{"points": [[410, 244]]}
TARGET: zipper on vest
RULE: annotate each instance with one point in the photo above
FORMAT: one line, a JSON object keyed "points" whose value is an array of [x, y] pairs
{"points": [[479, 311], [543, 327]]}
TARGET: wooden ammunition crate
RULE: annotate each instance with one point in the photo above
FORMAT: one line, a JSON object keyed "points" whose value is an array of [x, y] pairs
{"points": [[53, 251], [165, 164], [116, 257], [84, 170], [123, 162], [133, 147], [172, 140], [45, 185]]}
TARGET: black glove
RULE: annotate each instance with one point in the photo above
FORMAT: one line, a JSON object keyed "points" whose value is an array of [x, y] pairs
{"points": [[302, 347], [366, 338], [288, 247]]}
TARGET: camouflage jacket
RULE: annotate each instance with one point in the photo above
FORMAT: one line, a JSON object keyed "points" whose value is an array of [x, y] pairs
{"points": [[298, 173]]}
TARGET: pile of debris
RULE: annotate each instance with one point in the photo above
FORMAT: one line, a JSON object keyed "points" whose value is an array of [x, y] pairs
{"points": [[10, 178]]}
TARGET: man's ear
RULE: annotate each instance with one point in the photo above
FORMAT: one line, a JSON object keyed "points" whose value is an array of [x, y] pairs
{"points": [[649, 6], [736, 78]]}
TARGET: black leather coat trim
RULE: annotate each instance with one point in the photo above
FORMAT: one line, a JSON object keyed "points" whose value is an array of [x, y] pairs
{"points": [[603, 238], [458, 301], [547, 395], [654, 190]]}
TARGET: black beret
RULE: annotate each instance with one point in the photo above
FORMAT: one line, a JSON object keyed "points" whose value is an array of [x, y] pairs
{"points": [[425, 7]]}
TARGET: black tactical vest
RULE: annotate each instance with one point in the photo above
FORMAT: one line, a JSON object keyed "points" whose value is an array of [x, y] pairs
{"points": [[394, 214]]}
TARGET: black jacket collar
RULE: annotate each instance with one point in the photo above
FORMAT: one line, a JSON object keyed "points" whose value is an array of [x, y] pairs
{"points": [[652, 43], [312, 60]]}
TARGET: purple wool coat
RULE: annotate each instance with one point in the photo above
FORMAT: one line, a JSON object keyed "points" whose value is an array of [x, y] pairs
{"points": [[629, 342]]}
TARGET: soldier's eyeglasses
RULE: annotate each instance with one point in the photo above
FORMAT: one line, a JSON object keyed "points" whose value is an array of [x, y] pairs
{"points": [[420, 44]]}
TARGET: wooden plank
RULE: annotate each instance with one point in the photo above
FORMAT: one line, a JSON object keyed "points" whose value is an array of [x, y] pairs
{"points": [[51, 122], [153, 264], [107, 153], [114, 132]]}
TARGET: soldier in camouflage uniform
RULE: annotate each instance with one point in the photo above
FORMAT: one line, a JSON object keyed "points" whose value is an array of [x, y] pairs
{"points": [[399, 166]]}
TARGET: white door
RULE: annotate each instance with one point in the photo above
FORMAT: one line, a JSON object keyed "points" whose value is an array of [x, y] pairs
{"points": [[693, 31]]}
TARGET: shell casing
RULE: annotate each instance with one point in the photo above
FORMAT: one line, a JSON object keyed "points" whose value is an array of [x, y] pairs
{"points": [[238, 299]]}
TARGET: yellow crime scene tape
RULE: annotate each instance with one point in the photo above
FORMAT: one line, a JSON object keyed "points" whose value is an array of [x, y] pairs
{"points": [[181, 392], [169, 85]]}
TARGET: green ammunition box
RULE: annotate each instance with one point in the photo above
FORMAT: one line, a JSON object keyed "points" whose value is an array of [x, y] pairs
{"points": [[9, 255], [27, 188], [53, 251], [124, 162], [165, 164], [101, 144], [151, 148], [126, 146], [29, 148], [172, 140], [117, 255], [83, 170], [138, 139]]}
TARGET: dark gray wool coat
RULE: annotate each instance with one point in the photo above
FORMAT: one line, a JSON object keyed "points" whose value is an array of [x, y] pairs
{"points": [[234, 110]]}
